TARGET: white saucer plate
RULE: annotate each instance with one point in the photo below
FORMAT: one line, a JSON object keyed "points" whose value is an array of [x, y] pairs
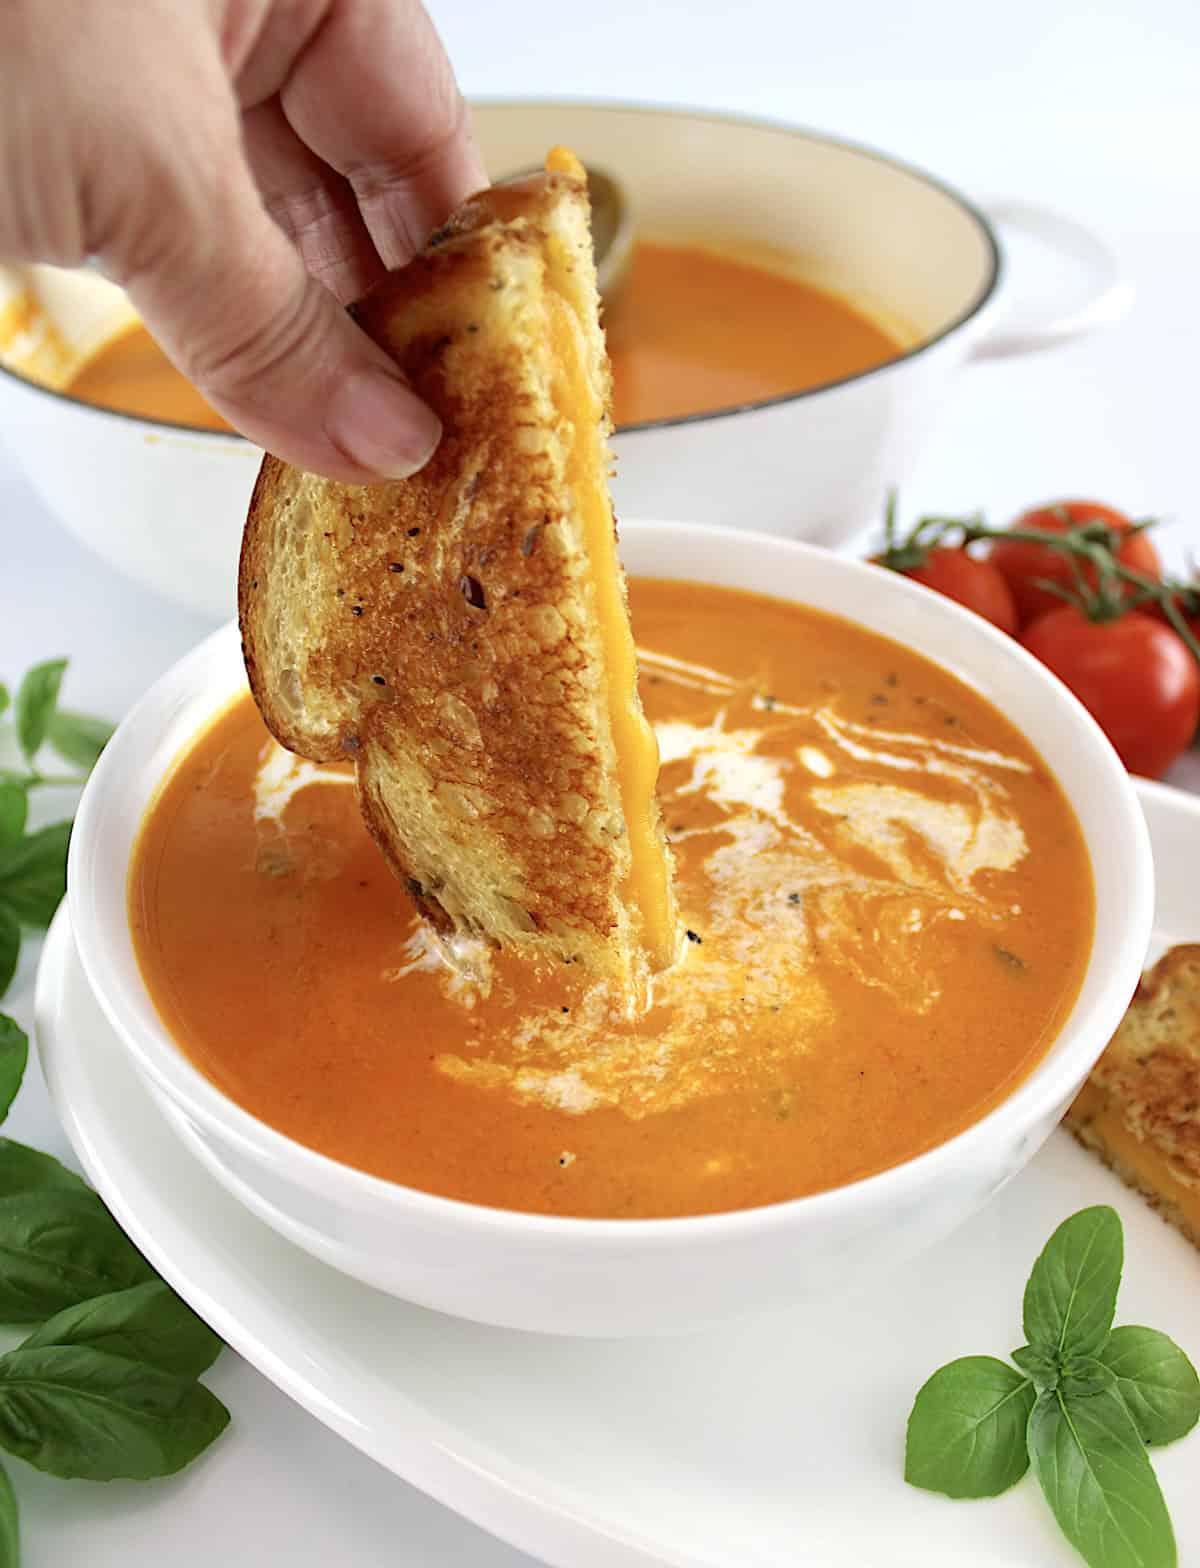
{"points": [[777, 1440]]}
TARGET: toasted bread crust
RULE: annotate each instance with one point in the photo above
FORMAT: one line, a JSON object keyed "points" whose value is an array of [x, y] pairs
{"points": [[440, 629], [1146, 1086]]}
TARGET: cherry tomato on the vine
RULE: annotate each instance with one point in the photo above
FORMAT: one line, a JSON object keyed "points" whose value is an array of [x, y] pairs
{"points": [[1024, 561], [1133, 674], [971, 582], [1187, 602]]}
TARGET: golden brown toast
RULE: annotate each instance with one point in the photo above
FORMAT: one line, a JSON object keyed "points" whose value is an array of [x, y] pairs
{"points": [[1140, 1109], [463, 635]]}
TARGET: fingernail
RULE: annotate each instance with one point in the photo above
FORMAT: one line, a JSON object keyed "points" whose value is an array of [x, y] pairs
{"points": [[379, 424]]}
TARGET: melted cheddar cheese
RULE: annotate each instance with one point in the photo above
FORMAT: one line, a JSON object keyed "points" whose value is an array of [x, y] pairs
{"points": [[649, 886]]}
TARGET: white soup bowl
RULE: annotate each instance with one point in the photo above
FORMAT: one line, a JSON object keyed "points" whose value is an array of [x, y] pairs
{"points": [[621, 1277]]}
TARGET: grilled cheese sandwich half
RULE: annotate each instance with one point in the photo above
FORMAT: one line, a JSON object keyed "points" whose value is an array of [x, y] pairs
{"points": [[1140, 1108], [464, 635]]}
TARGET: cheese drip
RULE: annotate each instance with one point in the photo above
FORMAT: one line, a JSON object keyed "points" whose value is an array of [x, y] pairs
{"points": [[649, 883]]}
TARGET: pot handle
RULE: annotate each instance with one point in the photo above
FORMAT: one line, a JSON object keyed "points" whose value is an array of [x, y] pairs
{"points": [[1108, 295]]}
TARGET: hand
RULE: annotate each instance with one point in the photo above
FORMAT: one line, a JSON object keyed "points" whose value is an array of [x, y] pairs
{"points": [[244, 168]]}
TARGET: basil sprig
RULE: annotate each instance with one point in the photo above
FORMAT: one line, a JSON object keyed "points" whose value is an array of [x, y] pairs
{"points": [[106, 1385], [80, 1413], [33, 866], [1085, 1401], [14, 1053], [58, 1248], [145, 1322]]}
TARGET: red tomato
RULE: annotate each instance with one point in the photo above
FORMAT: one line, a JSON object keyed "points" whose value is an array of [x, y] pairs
{"points": [[974, 583], [1022, 562], [1187, 603], [1134, 676]]}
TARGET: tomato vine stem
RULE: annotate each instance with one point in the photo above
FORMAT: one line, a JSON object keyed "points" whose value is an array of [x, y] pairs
{"points": [[1091, 543]]}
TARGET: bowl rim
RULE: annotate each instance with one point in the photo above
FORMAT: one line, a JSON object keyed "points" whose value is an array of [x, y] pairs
{"points": [[1051, 1080], [660, 109]]}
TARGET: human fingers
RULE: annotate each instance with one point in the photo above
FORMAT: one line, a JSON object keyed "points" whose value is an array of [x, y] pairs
{"points": [[371, 92], [269, 345], [313, 205]]}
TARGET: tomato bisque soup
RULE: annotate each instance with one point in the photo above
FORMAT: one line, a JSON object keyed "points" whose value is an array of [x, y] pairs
{"points": [[691, 331], [888, 903], [132, 375], [694, 331]]}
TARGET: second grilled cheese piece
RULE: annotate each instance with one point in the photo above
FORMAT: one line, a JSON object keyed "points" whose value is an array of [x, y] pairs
{"points": [[1140, 1108], [464, 634]]}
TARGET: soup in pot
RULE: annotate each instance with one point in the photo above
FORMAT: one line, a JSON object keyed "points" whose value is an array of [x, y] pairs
{"points": [[691, 331]]}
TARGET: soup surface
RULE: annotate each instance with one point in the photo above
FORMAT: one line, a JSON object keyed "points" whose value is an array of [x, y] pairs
{"points": [[132, 374], [691, 331], [889, 910]]}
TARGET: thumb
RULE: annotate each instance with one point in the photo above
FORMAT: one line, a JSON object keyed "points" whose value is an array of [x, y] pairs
{"points": [[228, 297]]}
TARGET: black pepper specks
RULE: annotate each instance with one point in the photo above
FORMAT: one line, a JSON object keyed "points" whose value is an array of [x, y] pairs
{"points": [[793, 898], [395, 566], [356, 609], [413, 532], [693, 937], [472, 591], [379, 680]]}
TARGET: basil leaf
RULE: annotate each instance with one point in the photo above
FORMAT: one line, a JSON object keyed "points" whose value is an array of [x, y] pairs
{"points": [[33, 874], [60, 1247], [10, 946], [37, 697], [10, 1529], [4, 697], [966, 1433], [1156, 1380], [77, 737], [1072, 1291], [1041, 1369], [147, 1323], [77, 1412], [14, 808], [14, 1053], [23, 1169], [1093, 1469]]}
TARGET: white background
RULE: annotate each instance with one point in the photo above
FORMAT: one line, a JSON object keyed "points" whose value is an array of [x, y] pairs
{"points": [[1092, 108]]}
